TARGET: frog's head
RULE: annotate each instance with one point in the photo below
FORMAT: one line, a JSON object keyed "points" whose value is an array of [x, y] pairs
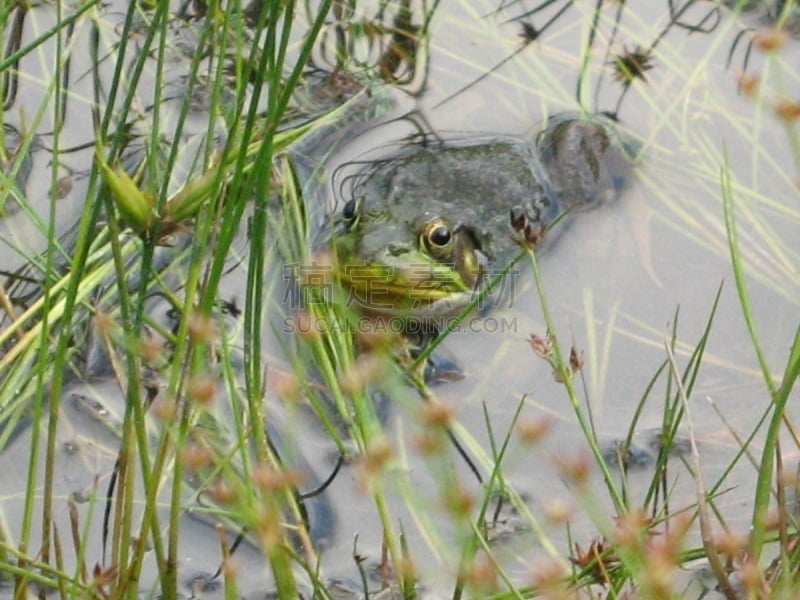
{"points": [[406, 260]]}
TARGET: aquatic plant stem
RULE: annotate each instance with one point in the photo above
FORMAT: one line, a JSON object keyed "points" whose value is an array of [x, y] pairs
{"points": [[586, 53], [270, 70], [132, 318], [39, 335], [565, 375], [271, 66], [495, 481], [185, 359], [709, 544], [54, 404], [779, 395]]}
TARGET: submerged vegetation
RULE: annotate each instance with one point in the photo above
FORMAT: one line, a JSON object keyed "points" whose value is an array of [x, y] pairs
{"points": [[189, 404]]}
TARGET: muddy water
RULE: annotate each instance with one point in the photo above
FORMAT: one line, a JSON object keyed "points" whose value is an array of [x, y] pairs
{"points": [[617, 280]]}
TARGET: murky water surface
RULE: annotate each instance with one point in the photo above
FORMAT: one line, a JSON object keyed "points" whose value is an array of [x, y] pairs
{"points": [[619, 279]]}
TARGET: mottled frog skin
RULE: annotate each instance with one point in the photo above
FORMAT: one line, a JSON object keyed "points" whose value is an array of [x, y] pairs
{"points": [[430, 222]]}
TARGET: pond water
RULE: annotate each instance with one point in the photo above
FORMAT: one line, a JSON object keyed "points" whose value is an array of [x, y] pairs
{"points": [[618, 280]]}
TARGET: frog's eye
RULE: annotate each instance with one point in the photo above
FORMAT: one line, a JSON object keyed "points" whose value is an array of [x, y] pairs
{"points": [[438, 238], [350, 211]]}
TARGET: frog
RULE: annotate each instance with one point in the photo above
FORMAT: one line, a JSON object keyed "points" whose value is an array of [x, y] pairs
{"points": [[420, 231]]}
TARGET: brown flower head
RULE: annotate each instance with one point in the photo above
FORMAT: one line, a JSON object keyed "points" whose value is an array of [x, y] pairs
{"points": [[632, 64], [596, 561]]}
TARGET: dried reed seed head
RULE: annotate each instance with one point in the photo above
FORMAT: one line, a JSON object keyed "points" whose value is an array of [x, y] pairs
{"points": [[576, 360], [429, 442], [549, 576], [272, 479], [375, 366], [482, 573], [517, 220], [286, 385], [787, 110], [632, 528], [532, 429], [435, 413], [372, 462], [151, 350], [364, 371], [748, 84], [351, 380], [202, 329], [576, 469], [307, 325], [558, 511], [460, 501], [195, 456], [679, 527], [221, 491], [752, 578], [102, 577], [659, 575], [770, 40], [268, 527], [164, 409], [202, 389], [379, 453], [731, 544], [533, 234], [663, 553], [376, 334], [526, 233], [103, 322], [541, 346]]}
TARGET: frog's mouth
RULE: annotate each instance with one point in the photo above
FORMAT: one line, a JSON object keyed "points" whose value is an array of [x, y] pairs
{"points": [[436, 275]]}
